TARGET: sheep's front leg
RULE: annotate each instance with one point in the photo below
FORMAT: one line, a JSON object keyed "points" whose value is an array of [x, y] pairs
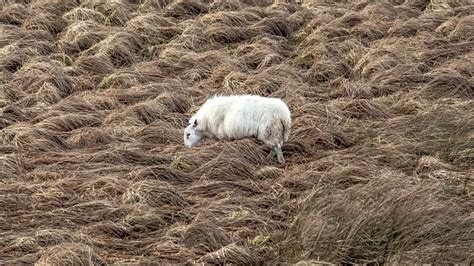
{"points": [[271, 137], [278, 152]]}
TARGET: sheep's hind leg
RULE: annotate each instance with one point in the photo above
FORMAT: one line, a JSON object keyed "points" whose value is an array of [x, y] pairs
{"points": [[279, 154], [271, 154]]}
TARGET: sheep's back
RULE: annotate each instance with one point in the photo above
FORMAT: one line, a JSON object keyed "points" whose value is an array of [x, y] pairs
{"points": [[236, 117]]}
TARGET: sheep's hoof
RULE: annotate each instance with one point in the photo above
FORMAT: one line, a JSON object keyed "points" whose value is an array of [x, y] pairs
{"points": [[281, 159]]}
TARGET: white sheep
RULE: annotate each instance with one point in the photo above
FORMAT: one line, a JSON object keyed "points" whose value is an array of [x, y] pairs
{"points": [[241, 116]]}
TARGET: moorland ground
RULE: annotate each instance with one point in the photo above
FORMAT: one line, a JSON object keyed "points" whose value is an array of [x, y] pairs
{"points": [[94, 96]]}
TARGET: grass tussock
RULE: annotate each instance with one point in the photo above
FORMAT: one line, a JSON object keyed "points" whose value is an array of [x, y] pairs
{"points": [[229, 34], [448, 83], [116, 13], [95, 94], [119, 48], [97, 64], [184, 9], [85, 14], [151, 194], [82, 35], [88, 138], [14, 14], [232, 254], [389, 220], [69, 122], [44, 21], [203, 236], [233, 19], [70, 254], [25, 136], [156, 29]]}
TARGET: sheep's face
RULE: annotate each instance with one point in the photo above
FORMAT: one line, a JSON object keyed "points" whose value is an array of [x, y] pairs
{"points": [[191, 136]]}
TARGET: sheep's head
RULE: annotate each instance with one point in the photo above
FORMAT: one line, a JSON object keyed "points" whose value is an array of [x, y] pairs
{"points": [[191, 135]]}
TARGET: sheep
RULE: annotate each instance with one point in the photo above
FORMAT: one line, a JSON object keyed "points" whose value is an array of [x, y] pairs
{"points": [[241, 116]]}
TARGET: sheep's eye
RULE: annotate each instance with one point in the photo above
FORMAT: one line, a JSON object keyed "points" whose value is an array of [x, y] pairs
{"points": [[187, 135]]}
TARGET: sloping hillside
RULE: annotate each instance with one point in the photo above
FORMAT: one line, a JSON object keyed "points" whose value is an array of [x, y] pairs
{"points": [[95, 94]]}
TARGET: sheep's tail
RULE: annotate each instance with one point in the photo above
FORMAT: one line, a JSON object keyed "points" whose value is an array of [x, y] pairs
{"points": [[286, 125]]}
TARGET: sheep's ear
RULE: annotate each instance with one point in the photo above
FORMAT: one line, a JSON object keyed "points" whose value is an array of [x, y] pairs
{"points": [[195, 123]]}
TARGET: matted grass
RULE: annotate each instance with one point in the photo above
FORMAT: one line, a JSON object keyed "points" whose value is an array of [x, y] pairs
{"points": [[94, 96]]}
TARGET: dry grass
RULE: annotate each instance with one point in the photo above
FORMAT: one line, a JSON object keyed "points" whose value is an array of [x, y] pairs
{"points": [[94, 96]]}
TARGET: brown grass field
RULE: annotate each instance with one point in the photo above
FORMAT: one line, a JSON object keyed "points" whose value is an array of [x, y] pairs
{"points": [[95, 94]]}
